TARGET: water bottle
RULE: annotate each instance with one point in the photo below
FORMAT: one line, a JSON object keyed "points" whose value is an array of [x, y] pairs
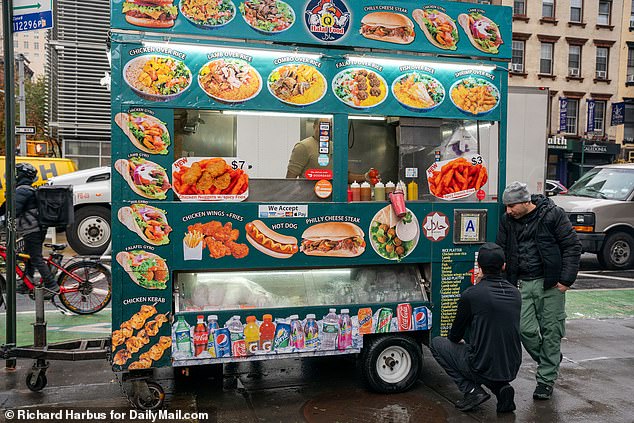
{"points": [[330, 330], [236, 329], [345, 330], [182, 341]]}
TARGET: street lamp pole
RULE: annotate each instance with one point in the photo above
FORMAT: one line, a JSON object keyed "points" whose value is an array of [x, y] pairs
{"points": [[9, 110]]}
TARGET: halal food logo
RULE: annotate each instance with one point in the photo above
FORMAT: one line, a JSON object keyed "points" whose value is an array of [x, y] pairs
{"points": [[436, 226], [327, 20]]}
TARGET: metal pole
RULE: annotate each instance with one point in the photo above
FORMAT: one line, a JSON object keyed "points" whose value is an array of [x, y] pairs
{"points": [[9, 108], [22, 101], [583, 156]]}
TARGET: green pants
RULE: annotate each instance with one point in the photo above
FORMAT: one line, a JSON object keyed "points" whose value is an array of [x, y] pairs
{"points": [[542, 325]]}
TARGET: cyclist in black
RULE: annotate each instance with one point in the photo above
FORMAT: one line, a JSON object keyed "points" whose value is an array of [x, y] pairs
{"points": [[28, 227]]}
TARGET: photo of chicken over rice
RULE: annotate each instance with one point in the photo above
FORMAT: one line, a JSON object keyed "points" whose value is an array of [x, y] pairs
{"points": [[230, 80], [297, 84], [158, 78]]}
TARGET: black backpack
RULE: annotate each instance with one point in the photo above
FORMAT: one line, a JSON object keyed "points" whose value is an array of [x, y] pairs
{"points": [[55, 205]]}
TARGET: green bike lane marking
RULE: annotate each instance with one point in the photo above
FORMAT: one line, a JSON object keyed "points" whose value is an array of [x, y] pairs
{"points": [[580, 304], [59, 326]]}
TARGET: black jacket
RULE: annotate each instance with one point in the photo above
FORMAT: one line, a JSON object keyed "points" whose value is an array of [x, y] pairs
{"points": [[556, 240], [491, 311], [25, 208]]}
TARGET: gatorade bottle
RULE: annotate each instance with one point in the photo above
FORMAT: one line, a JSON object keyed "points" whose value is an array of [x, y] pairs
{"points": [[251, 335], [212, 325], [267, 333]]}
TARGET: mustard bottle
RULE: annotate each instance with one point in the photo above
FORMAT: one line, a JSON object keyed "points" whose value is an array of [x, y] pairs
{"points": [[412, 191]]}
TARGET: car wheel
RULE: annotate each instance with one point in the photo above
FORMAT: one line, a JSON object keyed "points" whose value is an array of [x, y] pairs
{"points": [[90, 232], [617, 252]]}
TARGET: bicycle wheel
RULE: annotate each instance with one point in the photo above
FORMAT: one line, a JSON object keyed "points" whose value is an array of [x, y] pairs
{"points": [[90, 295]]}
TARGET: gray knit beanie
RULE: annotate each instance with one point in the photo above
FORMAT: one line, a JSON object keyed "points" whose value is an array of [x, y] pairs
{"points": [[516, 192]]}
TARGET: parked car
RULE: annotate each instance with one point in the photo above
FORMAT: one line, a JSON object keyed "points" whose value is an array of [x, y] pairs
{"points": [[600, 206], [554, 187]]}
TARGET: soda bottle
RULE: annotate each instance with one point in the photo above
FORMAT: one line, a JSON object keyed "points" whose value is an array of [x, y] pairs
{"points": [[297, 332], [182, 338], [345, 329], [236, 329], [267, 333], [251, 335], [201, 336], [212, 325], [311, 332], [330, 330]]}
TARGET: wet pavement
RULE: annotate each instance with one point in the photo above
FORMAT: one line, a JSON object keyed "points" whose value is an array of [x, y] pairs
{"points": [[594, 385]]}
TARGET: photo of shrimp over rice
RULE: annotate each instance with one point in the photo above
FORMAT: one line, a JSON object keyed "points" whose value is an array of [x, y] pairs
{"points": [[297, 84], [475, 96], [418, 91], [230, 80]]}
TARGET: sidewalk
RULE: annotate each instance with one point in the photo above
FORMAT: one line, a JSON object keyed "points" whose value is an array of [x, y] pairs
{"points": [[595, 385]]}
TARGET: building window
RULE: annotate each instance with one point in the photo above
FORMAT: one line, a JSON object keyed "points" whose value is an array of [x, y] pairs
{"points": [[599, 116], [602, 63], [519, 7], [574, 61], [36, 45], [571, 116], [604, 12], [546, 59], [548, 8], [517, 60], [630, 64], [576, 10], [26, 44], [632, 15]]}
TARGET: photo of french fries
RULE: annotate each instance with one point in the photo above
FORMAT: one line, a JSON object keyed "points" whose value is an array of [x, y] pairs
{"points": [[457, 178], [210, 179], [193, 239], [475, 96], [135, 342]]}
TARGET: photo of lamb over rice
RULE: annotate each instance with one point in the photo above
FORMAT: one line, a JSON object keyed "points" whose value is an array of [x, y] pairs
{"points": [[157, 78]]}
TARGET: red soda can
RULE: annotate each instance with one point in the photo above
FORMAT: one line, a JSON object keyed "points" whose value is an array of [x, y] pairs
{"points": [[201, 336], [404, 316], [384, 321], [238, 348]]}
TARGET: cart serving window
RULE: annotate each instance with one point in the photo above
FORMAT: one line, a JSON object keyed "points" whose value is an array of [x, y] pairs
{"points": [[304, 192]]}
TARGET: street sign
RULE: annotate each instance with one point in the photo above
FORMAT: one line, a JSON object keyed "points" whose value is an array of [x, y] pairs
{"points": [[30, 15], [25, 130]]}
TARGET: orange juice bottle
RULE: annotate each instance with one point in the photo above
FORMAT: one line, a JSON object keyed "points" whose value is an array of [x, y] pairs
{"points": [[365, 320], [251, 335], [267, 333]]}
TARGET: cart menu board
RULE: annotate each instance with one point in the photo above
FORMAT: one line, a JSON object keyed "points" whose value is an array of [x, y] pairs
{"points": [[440, 27], [318, 81]]}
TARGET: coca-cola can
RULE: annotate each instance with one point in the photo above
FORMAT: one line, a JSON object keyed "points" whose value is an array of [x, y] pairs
{"points": [[238, 348], [404, 316]]}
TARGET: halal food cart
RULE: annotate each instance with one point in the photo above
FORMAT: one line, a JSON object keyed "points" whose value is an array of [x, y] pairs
{"points": [[239, 128]]}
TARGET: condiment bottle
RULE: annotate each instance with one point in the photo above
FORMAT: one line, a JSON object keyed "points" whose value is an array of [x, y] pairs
{"points": [[389, 187], [356, 191], [412, 191], [379, 191], [400, 186], [366, 192]]}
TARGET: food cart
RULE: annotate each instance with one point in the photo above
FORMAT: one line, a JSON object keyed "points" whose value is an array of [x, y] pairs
{"points": [[222, 255]]}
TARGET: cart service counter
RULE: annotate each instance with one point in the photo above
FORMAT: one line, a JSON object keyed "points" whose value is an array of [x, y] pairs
{"points": [[235, 227]]}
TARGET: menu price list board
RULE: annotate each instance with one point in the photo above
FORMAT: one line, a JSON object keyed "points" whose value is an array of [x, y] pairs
{"points": [[455, 271]]}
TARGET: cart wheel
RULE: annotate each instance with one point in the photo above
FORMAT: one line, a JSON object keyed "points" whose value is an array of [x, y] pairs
{"points": [[391, 364], [36, 383], [158, 396]]}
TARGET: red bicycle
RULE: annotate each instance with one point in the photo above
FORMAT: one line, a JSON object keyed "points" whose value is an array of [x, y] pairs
{"points": [[85, 284]]}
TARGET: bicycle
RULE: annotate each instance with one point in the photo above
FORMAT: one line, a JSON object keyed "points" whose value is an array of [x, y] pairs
{"points": [[85, 284]]}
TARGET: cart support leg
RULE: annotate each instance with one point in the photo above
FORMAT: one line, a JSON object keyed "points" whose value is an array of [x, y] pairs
{"points": [[39, 328], [141, 390]]}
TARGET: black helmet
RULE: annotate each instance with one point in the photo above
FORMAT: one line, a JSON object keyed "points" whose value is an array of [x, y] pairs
{"points": [[27, 171]]}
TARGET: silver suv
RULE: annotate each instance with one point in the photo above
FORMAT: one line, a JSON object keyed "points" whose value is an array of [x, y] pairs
{"points": [[600, 206]]}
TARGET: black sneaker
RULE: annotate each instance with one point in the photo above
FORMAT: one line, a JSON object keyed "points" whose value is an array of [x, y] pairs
{"points": [[543, 392], [472, 399], [505, 396]]}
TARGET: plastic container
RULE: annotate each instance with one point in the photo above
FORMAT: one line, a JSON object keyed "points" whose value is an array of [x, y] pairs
{"points": [[356, 191], [212, 325], [267, 333], [251, 335], [389, 187], [366, 191], [345, 330], [182, 338], [236, 329], [201, 336], [311, 332], [379, 191], [412, 191], [297, 332], [330, 330]]}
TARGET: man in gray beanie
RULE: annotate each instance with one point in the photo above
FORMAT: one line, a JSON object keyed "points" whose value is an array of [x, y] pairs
{"points": [[542, 257]]}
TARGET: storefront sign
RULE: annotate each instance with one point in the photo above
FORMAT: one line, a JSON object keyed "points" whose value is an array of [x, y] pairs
{"points": [[618, 114], [594, 148], [590, 117], [563, 113], [558, 143]]}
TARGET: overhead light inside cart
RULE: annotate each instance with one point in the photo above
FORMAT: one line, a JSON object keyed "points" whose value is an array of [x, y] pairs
{"points": [[250, 51], [436, 65], [274, 114]]}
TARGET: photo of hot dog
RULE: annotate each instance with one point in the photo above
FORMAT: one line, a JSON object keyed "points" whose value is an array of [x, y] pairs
{"points": [[333, 239], [270, 242], [388, 26]]}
